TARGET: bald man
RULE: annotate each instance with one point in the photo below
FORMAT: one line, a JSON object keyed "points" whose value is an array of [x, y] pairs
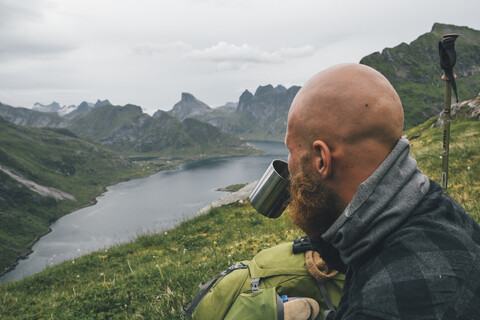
{"points": [[409, 251]]}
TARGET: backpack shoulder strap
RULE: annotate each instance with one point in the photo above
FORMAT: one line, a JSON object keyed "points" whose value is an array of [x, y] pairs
{"points": [[204, 288], [331, 309], [320, 271]]}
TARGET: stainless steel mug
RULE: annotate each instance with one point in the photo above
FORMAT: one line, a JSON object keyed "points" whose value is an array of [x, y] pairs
{"points": [[270, 196]]}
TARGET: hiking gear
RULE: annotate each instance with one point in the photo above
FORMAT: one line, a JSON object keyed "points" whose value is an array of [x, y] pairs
{"points": [[448, 57], [270, 196], [412, 252], [251, 289]]}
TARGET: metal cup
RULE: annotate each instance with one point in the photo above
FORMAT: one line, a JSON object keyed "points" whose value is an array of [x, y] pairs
{"points": [[270, 196]]}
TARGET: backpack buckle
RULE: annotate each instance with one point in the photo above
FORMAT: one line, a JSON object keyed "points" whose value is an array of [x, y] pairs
{"points": [[255, 284], [301, 245]]}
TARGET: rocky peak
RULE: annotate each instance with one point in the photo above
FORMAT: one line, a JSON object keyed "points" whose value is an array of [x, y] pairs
{"points": [[84, 105], [244, 101], [187, 97], [189, 107], [52, 107], [101, 103], [159, 113], [267, 102], [471, 109], [131, 108], [263, 90]]}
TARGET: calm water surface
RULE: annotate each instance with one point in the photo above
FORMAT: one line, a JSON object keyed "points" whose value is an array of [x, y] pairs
{"points": [[150, 204]]}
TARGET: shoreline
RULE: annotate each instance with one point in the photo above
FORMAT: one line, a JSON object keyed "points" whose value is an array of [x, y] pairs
{"points": [[172, 166], [93, 201]]}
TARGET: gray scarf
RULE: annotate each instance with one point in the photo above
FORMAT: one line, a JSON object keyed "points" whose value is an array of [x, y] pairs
{"points": [[381, 203]]}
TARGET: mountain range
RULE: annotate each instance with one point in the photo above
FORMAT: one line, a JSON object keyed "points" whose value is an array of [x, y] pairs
{"points": [[413, 69], [258, 116], [130, 131], [69, 111]]}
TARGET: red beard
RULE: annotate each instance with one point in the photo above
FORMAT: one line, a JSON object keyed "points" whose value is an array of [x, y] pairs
{"points": [[313, 206]]}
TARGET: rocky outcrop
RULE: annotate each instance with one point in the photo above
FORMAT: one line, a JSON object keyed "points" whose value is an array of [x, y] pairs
{"points": [[469, 109], [264, 114], [268, 104], [189, 107]]}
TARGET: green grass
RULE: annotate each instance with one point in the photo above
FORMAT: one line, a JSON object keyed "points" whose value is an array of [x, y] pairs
{"points": [[153, 277], [464, 159], [233, 187]]}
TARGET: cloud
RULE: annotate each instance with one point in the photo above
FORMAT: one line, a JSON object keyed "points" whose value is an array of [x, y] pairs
{"points": [[228, 55], [150, 49], [14, 49], [12, 11], [299, 52]]}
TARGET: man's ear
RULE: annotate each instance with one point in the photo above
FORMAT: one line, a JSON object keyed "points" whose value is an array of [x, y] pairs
{"points": [[323, 158]]}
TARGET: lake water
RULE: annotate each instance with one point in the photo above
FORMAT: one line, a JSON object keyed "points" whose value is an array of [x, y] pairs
{"points": [[139, 206]]}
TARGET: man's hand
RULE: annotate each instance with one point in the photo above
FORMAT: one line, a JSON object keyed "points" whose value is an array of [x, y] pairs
{"points": [[301, 309]]}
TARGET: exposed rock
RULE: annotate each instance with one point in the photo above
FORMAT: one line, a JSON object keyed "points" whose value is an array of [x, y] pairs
{"points": [[101, 103], [52, 107], [471, 108], [189, 107]]}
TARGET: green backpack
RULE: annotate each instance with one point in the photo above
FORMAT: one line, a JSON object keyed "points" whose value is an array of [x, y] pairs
{"points": [[256, 289]]}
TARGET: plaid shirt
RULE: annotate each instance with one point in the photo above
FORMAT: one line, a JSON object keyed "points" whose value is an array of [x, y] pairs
{"points": [[427, 268]]}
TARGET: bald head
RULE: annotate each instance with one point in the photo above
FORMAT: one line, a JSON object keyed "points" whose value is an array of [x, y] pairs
{"points": [[346, 119], [348, 103]]}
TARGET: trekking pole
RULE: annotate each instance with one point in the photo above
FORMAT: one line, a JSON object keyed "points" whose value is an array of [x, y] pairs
{"points": [[447, 62]]}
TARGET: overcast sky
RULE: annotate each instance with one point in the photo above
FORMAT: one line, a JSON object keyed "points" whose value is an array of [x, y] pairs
{"points": [[147, 52]]}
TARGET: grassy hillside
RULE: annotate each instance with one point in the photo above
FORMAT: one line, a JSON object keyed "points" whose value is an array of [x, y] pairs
{"points": [[414, 71], [53, 158], [464, 160], [154, 276]]}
